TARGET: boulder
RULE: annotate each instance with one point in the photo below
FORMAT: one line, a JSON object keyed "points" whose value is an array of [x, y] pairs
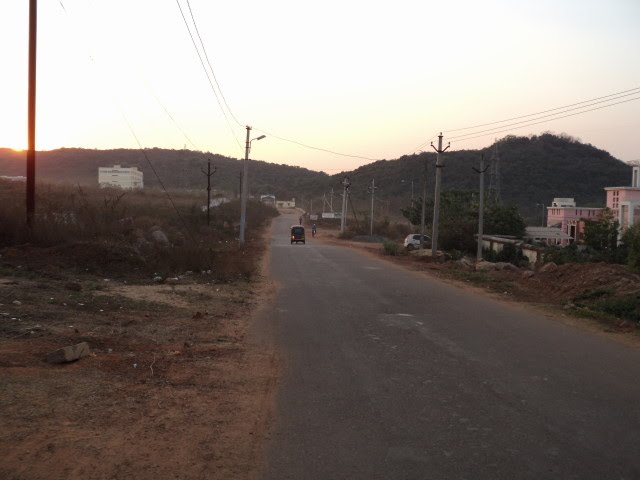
{"points": [[484, 266], [528, 274], [466, 262], [159, 237], [69, 354], [506, 266]]}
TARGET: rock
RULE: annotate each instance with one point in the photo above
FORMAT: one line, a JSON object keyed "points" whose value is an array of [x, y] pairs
{"points": [[197, 316], [17, 302], [69, 354], [485, 266], [73, 286], [172, 281], [548, 267], [528, 274], [159, 237], [157, 279], [506, 266], [466, 263]]}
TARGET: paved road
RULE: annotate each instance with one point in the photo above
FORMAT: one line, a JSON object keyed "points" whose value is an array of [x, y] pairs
{"points": [[391, 375]]}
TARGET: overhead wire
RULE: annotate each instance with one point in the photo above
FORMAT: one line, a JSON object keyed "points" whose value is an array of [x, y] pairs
{"points": [[548, 120], [548, 116], [144, 153], [215, 93], [206, 56], [321, 149], [636, 89]]}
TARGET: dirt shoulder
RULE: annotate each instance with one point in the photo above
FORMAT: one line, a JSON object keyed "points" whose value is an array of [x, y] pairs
{"points": [[593, 296], [174, 387]]}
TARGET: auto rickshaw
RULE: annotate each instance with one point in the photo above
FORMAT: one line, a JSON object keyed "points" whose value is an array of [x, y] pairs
{"points": [[297, 234]]}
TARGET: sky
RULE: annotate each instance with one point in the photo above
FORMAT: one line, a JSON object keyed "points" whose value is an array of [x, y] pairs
{"points": [[373, 79]]}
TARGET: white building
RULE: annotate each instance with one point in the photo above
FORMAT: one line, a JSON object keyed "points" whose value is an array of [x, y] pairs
{"points": [[286, 203], [121, 177]]}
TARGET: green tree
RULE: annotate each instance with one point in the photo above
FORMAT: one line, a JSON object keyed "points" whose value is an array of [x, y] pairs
{"points": [[631, 239], [459, 219], [602, 234]]}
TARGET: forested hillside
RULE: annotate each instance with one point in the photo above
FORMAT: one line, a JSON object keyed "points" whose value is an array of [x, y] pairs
{"points": [[178, 169], [532, 170]]}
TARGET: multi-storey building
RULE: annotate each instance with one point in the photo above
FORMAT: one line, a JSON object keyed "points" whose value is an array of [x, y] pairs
{"points": [[121, 177], [624, 202], [565, 215]]}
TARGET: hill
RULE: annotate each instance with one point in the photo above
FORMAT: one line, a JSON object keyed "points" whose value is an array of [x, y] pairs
{"points": [[178, 169], [533, 170]]}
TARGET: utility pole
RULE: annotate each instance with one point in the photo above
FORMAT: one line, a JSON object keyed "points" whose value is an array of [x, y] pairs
{"points": [[436, 200], [245, 185], [240, 184], [372, 190], [331, 202], [31, 113], [243, 188], [345, 191], [424, 203], [311, 207], [209, 174], [481, 207]]}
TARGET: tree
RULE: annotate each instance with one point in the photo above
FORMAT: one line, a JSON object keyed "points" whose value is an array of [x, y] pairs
{"points": [[501, 220], [631, 239], [602, 234], [459, 219]]}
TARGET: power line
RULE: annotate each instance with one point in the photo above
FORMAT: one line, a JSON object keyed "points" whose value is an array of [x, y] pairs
{"points": [[210, 67], [548, 120], [224, 113], [539, 113], [333, 152], [148, 87], [153, 169], [545, 116]]}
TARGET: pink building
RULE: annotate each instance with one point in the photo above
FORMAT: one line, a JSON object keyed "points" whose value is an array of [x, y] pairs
{"points": [[565, 215], [624, 202]]}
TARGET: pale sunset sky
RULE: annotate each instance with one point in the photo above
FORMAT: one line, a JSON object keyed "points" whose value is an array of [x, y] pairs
{"points": [[370, 78]]}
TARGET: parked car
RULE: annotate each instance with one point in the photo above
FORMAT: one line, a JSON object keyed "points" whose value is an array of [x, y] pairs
{"points": [[297, 233], [413, 241]]}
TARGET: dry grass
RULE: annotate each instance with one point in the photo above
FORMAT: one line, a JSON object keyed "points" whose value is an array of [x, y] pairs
{"points": [[110, 232]]}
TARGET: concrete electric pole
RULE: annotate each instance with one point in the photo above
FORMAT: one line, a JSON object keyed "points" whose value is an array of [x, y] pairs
{"points": [[436, 199], [209, 174], [481, 207], [244, 186], [345, 192], [424, 203], [372, 190]]}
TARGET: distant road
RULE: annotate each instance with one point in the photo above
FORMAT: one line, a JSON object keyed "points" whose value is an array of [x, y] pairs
{"points": [[393, 375]]}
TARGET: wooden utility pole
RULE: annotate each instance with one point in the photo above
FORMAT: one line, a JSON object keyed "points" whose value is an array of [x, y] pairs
{"points": [[31, 114], [209, 174], [436, 199]]}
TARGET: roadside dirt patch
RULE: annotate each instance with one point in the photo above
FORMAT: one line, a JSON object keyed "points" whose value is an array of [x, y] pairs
{"points": [[172, 388]]}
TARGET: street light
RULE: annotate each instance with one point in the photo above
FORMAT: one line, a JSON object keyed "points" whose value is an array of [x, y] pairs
{"points": [[245, 181]]}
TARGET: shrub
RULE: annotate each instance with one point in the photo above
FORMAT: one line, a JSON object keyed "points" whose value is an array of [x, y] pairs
{"points": [[390, 248], [631, 240]]}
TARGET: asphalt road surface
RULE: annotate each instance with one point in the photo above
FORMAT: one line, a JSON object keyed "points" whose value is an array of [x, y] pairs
{"points": [[393, 375]]}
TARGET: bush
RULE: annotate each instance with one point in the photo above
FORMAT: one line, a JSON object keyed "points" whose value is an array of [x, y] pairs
{"points": [[390, 248], [631, 240]]}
